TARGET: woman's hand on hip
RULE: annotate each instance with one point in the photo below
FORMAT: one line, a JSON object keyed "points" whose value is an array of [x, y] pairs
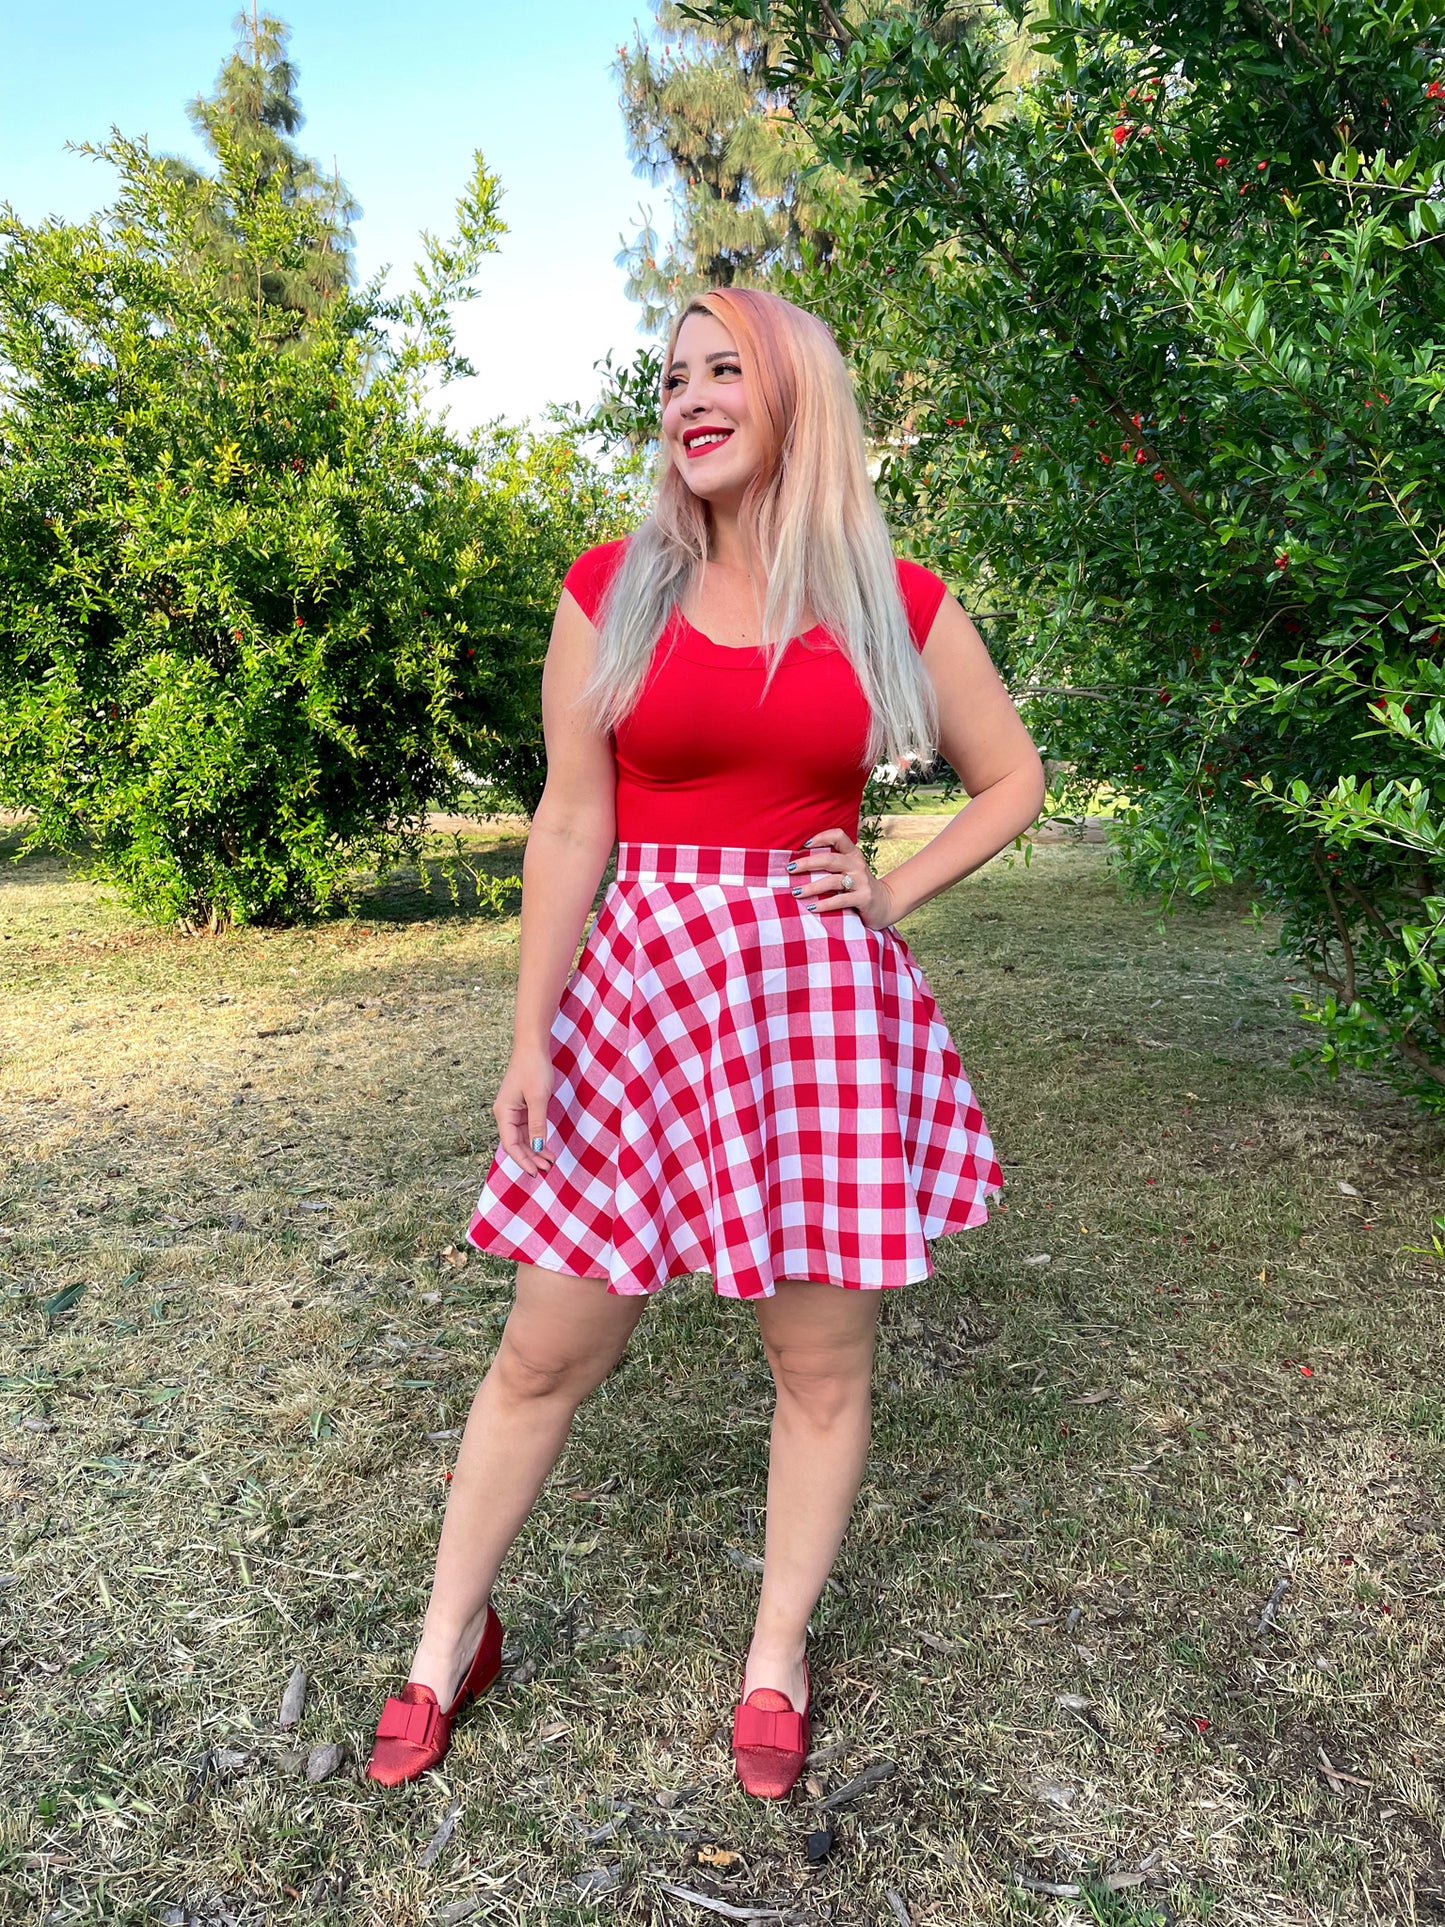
{"points": [[521, 1110], [830, 874]]}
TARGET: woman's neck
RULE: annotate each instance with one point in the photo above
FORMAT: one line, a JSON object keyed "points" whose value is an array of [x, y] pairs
{"points": [[728, 547]]}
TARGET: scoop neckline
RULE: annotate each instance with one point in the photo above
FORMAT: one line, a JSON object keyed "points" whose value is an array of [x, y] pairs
{"points": [[692, 633]]}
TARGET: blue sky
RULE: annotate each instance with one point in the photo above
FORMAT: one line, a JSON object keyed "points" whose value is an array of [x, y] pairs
{"points": [[399, 96]]}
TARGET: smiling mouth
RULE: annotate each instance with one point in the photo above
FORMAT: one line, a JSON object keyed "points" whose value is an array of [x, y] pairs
{"points": [[700, 441]]}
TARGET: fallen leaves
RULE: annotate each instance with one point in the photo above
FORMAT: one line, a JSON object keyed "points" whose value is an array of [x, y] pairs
{"points": [[722, 1858], [875, 1771], [293, 1700], [324, 1761], [434, 1847], [599, 1880]]}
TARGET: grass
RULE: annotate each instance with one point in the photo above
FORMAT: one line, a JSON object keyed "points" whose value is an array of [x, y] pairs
{"points": [[1192, 1358]]}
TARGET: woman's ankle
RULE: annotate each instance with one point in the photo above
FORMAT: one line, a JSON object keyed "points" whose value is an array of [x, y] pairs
{"points": [[445, 1650], [777, 1660]]}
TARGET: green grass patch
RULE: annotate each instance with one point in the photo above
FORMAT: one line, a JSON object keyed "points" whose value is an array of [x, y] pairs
{"points": [[1193, 1367]]}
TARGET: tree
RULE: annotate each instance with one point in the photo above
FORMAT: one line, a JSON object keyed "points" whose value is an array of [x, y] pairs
{"points": [[254, 112], [259, 610], [751, 201], [1155, 350], [702, 120]]}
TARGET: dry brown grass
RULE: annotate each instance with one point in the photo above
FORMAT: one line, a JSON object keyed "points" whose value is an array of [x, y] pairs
{"points": [[225, 1454]]}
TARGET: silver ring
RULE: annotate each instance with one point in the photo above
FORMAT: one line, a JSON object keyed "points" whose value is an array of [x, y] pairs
{"points": [[847, 883]]}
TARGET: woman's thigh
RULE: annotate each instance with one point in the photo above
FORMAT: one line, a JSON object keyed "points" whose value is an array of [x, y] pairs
{"points": [[568, 1327]]}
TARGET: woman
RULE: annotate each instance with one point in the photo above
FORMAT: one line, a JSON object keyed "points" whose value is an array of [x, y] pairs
{"points": [[746, 1074]]}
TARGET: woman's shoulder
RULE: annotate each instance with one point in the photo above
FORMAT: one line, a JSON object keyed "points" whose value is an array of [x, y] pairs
{"points": [[588, 578], [923, 594]]}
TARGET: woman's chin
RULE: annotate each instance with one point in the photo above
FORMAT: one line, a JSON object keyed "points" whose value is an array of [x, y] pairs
{"points": [[718, 490]]}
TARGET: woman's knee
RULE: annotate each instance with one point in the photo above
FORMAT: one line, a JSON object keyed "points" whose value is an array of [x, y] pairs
{"points": [[548, 1358], [528, 1368], [827, 1384]]}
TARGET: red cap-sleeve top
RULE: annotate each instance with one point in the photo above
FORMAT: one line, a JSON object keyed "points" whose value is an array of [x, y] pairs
{"points": [[701, 759]]}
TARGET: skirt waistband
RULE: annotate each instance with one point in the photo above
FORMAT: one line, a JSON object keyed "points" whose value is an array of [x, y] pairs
{"points": [[704, 863]]}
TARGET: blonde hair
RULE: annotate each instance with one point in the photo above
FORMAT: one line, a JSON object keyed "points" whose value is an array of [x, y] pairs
{"points": [[809, 513]]}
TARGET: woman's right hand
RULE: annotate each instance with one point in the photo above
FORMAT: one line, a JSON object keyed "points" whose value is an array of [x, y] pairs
{"points": [[521, 1109]]}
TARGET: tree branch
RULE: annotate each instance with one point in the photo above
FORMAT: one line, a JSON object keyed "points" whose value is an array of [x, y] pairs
{"points": [[1341, 927]]}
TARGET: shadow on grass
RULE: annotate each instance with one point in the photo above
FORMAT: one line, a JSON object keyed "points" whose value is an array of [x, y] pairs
{"points": [[461, 877], [19, 865], [1190, 1355]]}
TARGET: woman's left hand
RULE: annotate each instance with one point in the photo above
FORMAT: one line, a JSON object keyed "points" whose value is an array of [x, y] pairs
{"points": [[830, 874]]}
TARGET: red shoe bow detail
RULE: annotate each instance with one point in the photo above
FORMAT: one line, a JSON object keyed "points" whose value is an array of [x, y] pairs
{"points": [[762, 1726], [413, 1721]]}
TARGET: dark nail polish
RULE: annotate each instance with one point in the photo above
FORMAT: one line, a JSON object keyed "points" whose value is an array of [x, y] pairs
{"points": [[791, 868], [797, 893]]}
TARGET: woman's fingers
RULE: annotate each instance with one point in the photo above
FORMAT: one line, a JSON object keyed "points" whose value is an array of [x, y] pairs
{"points": [[521, 1120], [831, 872]]}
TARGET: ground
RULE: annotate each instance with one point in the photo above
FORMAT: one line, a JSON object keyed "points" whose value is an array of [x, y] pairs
{"points": [[1141, 1617]]}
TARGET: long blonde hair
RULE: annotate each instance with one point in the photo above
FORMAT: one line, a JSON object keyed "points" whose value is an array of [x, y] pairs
{"points": [[809, 513]]}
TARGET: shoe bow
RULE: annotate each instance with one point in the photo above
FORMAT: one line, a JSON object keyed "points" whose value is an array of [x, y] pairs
{"points": [[411, 1720], [757, 1726]]}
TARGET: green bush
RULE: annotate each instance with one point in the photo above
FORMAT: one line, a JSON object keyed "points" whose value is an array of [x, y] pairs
{"points": [[1155, 346], [259, 608]]}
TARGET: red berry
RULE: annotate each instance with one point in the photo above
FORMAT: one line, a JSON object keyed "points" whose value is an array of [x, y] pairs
{"points": [[1215, 626]]}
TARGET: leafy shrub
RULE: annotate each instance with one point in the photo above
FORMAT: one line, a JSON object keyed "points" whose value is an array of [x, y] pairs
{"points": [[259, 608], [1156, 353]]}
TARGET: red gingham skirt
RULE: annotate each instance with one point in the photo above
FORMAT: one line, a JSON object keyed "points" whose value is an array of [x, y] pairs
{"points": [[744, 1087]]}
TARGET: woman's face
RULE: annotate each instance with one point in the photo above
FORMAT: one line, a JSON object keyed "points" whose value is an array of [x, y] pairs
{"points": [[707, 427]]}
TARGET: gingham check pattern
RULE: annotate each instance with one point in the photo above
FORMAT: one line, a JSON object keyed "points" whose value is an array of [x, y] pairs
{"points": [[743, 1087]]}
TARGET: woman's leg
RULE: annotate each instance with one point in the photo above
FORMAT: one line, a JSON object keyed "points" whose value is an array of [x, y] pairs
{"points": [[561, 1339], [819, 1342]]}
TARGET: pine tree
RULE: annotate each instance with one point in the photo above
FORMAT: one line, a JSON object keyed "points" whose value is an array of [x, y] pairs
{"points": [[254, 112], [749, 196], [701, 119]]}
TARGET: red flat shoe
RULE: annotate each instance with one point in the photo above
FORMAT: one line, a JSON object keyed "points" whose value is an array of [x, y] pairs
{"points": [[413, 1733], [770, 1740]]}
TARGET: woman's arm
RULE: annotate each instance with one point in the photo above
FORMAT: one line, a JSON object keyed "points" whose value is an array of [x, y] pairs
{"points": [[571, 838], [983, 737]]}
